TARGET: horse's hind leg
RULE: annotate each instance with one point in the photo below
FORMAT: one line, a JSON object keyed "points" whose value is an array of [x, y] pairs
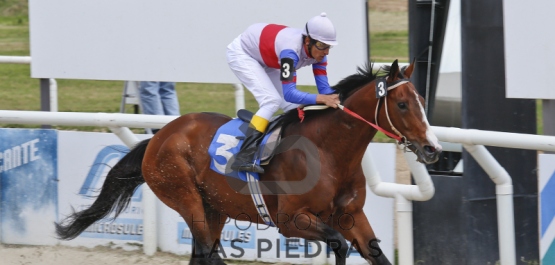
{"points": [[183, 196], [174, 168], [216, 224], [206, 232]]}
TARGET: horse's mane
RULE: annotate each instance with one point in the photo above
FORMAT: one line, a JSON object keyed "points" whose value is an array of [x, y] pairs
{"points": [[344, 88]]}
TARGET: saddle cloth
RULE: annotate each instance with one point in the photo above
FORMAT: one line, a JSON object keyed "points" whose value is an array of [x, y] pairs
{"points": [[227, 143]]}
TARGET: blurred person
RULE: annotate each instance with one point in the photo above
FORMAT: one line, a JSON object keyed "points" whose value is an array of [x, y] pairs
{"points": [[158, 98]]}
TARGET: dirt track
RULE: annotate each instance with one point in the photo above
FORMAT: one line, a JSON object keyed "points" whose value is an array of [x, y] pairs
{"points": [[61, 255]]}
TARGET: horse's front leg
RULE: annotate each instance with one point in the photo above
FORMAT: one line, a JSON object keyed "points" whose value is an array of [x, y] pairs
{"points": [[358, 231], [304, 224]]}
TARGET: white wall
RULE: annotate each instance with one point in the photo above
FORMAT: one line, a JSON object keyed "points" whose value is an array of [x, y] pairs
{"points": [[79, 162], [175, 40], [529, 53], [529, 48], [447, 110]]}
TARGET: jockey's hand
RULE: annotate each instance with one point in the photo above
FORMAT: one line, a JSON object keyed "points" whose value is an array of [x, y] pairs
{"points": [[331, 100]]}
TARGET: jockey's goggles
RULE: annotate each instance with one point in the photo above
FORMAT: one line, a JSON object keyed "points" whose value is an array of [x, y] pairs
{"points": [[321, 46]]}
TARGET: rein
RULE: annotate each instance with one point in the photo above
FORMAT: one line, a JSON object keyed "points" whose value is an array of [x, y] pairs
{"points": [[397, 136], [350, 112]]}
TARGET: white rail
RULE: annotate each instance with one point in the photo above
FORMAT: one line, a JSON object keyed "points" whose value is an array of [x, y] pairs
{"points": [[380, 65], [492, 138], [404, 195], [15, 59], [53, 88], [474, 141], [424, 190], [504, 195], [85, 119], [118, 123]]}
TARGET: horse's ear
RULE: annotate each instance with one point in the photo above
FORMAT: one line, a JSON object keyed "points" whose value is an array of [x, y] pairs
{"points": [[410, 69], [393, 71]]}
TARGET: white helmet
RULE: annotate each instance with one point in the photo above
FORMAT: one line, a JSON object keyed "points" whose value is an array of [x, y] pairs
{"points": [[320, 28]]}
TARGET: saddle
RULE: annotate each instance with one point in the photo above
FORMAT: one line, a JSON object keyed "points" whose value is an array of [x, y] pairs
{"points": [[228, 138]]}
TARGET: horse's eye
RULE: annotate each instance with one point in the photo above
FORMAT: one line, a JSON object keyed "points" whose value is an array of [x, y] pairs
{"points": [[402, 105]]}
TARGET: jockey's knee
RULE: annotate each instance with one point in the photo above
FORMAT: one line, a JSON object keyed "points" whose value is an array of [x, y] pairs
{"points": [[268, 108]]}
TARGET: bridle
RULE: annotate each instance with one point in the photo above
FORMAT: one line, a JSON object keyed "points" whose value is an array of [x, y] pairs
{"points": [[377, 111], [401, 139], [398, 136]]}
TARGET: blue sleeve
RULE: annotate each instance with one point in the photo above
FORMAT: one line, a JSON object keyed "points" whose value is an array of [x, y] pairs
{"points": [[321, 77], [290, 91]]}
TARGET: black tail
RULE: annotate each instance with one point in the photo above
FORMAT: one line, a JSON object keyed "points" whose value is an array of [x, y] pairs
{"points": [[119, 186]]}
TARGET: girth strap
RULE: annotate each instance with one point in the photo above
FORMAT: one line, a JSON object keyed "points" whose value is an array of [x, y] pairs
{"points": [[258, 199]]}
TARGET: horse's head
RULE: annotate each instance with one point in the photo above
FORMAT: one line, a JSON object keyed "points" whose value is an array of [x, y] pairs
{"points": [[401, 111]]}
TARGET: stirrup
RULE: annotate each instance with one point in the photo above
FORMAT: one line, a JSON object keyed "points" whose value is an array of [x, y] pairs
{"points": [[250, 167]]}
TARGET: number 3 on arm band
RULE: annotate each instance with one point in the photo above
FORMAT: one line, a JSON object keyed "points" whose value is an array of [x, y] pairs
{"points": [[287, 69]]}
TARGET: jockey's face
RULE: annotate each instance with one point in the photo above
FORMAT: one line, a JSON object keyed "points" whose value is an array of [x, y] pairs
{"points": [[318, 50]]}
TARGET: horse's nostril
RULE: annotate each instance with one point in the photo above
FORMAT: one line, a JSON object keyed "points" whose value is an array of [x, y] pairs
{"points": [[429, 149]]}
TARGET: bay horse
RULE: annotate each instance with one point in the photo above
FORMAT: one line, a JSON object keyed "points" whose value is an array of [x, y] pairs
{"points": [[176, 166]]}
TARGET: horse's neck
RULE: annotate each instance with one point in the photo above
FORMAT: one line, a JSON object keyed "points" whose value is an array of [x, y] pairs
{"points": [[342, 135], [358, 133]]}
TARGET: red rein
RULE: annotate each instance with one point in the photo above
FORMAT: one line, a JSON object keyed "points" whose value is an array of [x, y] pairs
{"points": [[301, 113], [348, 111]]}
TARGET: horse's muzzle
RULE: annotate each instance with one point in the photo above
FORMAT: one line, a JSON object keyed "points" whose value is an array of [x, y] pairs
{"points": [[426, 154]]}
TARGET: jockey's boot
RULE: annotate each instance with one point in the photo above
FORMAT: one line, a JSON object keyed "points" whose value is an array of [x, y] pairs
{"points": [[244, 160]]}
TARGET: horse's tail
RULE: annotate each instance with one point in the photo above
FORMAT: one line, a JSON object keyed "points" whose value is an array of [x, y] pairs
{"points": [[116, 192]]}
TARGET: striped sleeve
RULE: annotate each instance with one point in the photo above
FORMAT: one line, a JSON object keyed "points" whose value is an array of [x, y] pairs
{"points": [[290, 91], [321, 77]]}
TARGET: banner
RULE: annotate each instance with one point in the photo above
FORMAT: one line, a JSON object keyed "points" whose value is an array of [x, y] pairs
{"points": [[84, 161], [46, 175], [547, 208], [28, 186]]}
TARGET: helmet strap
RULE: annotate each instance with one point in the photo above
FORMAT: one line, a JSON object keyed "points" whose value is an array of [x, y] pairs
{"points": [[309, 47], [311, 41]]}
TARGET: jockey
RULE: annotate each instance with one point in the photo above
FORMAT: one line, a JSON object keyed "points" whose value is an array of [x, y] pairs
{"points": [[264, 58]]}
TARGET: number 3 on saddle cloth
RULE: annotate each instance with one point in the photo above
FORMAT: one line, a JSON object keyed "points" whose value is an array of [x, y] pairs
{"points": [[228, 140]]}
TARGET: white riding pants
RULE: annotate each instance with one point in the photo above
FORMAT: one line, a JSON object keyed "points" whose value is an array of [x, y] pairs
{"points": [[262, 81]]}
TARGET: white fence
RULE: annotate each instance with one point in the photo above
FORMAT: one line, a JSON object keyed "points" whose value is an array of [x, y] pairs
{"points": [[472, 140], [119, 123]]}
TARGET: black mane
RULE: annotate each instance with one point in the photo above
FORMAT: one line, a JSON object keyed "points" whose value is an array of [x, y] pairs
{"points": [[344, 88], [354, 82]]}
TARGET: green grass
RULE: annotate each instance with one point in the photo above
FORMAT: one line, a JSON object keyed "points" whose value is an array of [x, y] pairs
{"points": [[20, 92], [388, 46]]}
